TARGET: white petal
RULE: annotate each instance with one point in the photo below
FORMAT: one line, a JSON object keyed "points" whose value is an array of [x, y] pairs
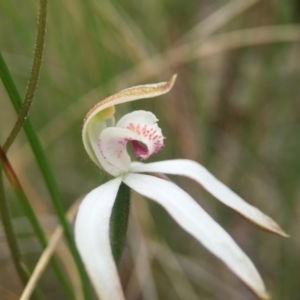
{"points": [[93, 243], [138, 116], [112, 153], [144, 124], [102, 114], [190, 216], [137, 127], [198, 173], [91, 132]]}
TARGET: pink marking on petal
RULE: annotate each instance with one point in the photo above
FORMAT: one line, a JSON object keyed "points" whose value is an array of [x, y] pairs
{"points": [[150, 141], [140, 150], [100, 148]]}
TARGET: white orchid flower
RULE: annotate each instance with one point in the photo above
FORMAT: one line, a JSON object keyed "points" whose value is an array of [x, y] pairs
{"points": [[106, 145]]}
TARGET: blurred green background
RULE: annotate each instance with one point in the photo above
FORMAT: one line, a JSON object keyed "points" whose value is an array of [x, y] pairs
{"points": [[235, 109]]}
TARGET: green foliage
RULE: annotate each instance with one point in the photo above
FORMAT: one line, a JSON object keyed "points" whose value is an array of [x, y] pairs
{"points": [[119, 222]]}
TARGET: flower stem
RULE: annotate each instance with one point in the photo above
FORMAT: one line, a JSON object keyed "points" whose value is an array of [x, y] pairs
{"points": [[34, 75], [119, 222], [46, 172]]}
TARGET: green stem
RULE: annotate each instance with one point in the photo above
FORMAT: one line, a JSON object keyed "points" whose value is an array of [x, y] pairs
{"points": [[46, 172], [10, 234], [11, 237], [34, 75], [24, 202], [119, 222]]}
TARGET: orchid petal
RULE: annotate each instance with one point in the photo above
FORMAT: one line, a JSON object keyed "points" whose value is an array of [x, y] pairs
{"points": [[137, 127], [198, 173], [144, 124], [112, 151], [90, 141], [191, 217], [139, 117], [102, 113], [93, 243]]}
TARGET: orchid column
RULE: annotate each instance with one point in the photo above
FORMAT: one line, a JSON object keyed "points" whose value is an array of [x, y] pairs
{"points": [[106, 142]]}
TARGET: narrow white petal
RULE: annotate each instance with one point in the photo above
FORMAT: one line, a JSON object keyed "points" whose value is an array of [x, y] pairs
{"points": [[92, 129], [93, 243], [190, 216], [198, 173], [91, 136]]}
